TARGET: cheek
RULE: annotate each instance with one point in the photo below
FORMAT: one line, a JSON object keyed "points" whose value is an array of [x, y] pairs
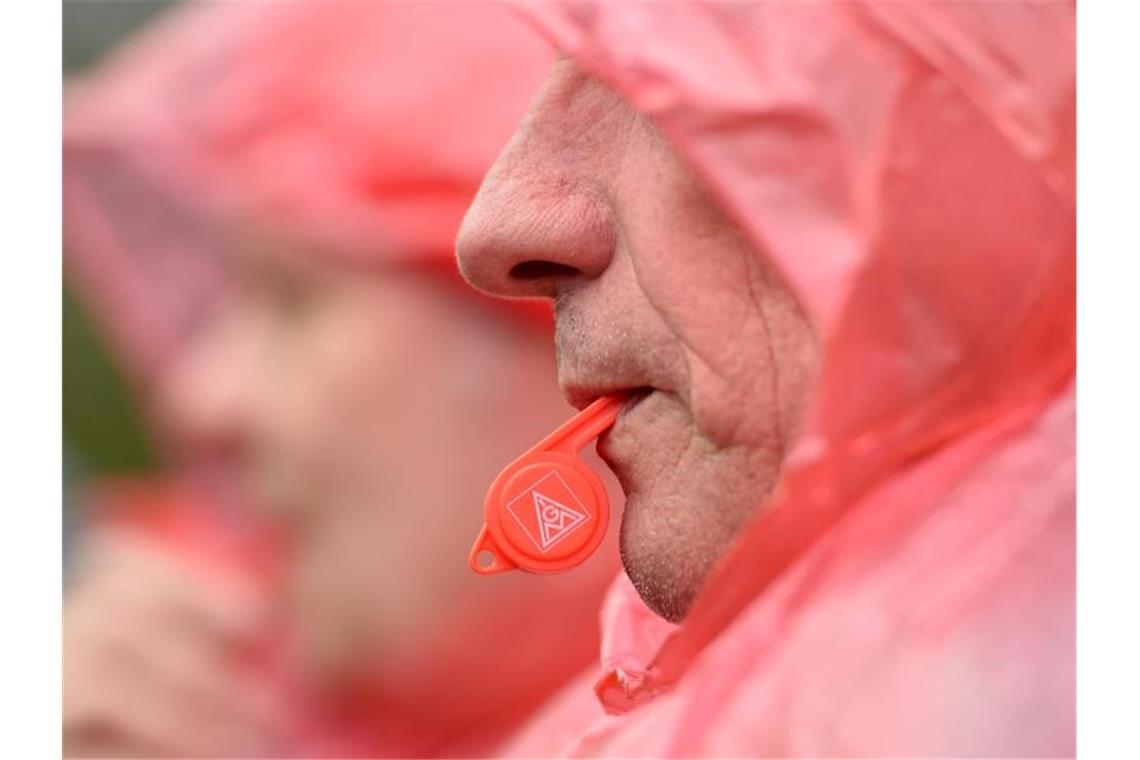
{"points": [[335, 386], [379, 389], [706, 293], [707, 287]]}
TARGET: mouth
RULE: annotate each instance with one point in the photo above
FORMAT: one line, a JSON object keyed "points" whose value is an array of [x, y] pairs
{"points": [[581, 396]]}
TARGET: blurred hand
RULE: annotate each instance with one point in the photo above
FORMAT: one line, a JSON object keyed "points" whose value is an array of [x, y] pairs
{"points": [[151, 650]]}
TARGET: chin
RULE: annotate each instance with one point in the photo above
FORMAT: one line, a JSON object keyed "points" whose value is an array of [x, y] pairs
{"points": [[684, 509], [665, 559]]}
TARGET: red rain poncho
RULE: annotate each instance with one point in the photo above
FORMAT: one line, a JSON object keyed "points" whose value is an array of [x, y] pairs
{"points": [[909, 589], [364, 128]]}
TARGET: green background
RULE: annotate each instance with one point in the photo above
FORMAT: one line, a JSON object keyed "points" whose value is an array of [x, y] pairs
{"points": [[102, 431]]}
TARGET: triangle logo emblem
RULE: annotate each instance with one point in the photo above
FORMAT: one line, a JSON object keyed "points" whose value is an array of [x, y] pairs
{"points": [[555, 520]]}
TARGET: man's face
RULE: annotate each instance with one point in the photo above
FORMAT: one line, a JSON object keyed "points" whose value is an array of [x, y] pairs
{"points": [[330, 394], [657, 292]]}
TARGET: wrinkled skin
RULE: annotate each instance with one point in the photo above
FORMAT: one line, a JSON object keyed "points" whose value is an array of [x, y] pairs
{"points": [[655, 290]]}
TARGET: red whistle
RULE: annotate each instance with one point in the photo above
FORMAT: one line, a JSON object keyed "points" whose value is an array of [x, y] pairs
{"points": [[547, 511]]}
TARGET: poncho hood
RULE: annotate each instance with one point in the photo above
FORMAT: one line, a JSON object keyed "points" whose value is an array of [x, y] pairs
{"points": [[909, 169], [362, 129]]}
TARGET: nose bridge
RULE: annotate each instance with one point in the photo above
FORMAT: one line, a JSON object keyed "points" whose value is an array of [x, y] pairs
{"points": [[541, 216]]}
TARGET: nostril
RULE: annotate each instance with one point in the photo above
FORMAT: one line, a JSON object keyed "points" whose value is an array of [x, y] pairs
{"points": [[541, 270]]}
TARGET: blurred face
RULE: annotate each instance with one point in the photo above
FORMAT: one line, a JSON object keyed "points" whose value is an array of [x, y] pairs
{"points": [[355, 406], [656, 292]]}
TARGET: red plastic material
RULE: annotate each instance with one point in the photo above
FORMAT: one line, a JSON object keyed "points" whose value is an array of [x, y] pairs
{"points": [[908, 589], [547, 511]]}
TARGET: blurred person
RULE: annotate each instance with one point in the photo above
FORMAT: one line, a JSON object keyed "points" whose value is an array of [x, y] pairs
{"points": [[829, 250], [261, 202]]}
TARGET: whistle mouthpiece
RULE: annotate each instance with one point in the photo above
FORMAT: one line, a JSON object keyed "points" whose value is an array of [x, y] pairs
{"points": [[547, 511]]}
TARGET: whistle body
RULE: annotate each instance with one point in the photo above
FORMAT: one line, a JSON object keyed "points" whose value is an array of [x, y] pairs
{"points": [[547, 511]]}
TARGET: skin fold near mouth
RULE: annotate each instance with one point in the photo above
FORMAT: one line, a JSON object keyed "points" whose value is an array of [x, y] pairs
{"points": [[634, 397]]}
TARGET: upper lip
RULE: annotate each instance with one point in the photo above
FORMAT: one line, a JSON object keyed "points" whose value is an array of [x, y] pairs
{"points": [[587, 373], [581, 394]]}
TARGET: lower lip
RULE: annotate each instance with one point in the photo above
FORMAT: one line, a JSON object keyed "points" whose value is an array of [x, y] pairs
{"points": [[627, 408]]}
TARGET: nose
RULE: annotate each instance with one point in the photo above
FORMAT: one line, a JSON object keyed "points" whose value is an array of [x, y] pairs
{"points": [[540, 221], [204, 394]]}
